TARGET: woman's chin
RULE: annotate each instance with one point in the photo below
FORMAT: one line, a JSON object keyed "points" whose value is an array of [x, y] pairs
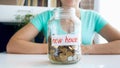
{"points": [[68, 6]]}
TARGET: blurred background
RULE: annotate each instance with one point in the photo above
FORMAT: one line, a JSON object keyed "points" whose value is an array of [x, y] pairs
{"points": [[15, 12]]}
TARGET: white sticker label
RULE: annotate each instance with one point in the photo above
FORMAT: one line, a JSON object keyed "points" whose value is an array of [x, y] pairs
{"points": [[68, 39]]}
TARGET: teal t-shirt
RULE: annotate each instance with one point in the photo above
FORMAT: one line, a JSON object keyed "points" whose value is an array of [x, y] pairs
{"points": [[91, 22]]}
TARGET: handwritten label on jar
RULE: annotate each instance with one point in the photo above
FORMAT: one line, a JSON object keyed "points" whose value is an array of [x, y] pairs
{"points": [[68, 39]]}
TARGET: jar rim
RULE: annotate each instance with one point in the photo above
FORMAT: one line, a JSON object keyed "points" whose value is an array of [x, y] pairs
{"points": [[60, 9]]}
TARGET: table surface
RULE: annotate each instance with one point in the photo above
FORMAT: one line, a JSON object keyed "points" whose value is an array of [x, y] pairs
{"points": [[42, 61]]}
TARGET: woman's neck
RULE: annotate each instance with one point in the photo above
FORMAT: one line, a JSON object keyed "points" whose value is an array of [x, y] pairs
{"points": [[77, 12]]}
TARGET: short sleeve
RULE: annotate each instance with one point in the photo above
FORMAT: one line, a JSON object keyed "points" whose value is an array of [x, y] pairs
{"points": [[36, 21], [40, 20], [100, 22]]}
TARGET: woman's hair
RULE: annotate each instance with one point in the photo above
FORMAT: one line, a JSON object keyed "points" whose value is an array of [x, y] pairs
{"points": [[59, 3]]}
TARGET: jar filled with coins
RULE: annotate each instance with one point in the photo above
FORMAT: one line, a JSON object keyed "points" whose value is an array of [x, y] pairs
{"points": [[64, 36]]}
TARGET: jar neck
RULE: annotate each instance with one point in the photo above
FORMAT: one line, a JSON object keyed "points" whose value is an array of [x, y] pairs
{"points": [[64, 12]]}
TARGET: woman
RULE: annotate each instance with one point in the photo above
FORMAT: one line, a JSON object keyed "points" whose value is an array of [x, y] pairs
{"points": [[93, 22]]}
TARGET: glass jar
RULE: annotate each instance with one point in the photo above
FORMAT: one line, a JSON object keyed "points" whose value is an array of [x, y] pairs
{"points": [[64, 36]]}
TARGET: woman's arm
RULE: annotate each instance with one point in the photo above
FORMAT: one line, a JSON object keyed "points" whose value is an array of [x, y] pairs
{"points": [[113, 45], [21, 42]]}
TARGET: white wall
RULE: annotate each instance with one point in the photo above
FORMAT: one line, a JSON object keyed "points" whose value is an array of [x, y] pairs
{"points": [[96, 5], [110, 10]]}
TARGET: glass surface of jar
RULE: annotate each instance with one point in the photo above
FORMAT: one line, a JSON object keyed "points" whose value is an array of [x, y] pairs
{"points": [[64, 36]]}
